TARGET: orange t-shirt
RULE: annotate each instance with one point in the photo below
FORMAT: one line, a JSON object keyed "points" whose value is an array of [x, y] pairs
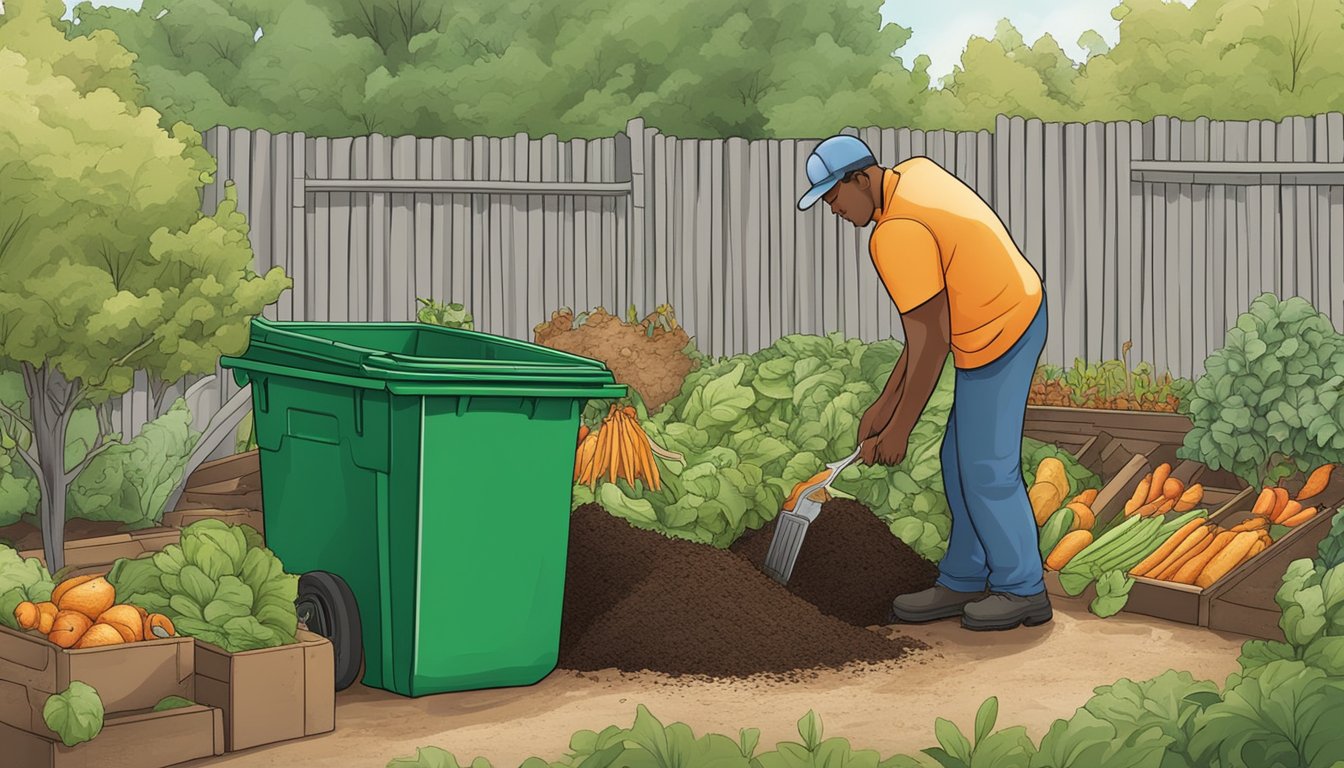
{"points": [[933, 233]]}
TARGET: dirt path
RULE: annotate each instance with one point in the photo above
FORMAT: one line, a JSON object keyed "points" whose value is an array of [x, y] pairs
{"points": [[1038, 674]]}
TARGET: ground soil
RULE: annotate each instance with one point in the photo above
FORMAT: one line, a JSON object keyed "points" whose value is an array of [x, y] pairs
{"points": [[654, 366], [1060, 395], [1038, 674], [637, 600], [850, 566]]}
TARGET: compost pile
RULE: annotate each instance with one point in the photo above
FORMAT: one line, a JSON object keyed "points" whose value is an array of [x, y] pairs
{"points": [[636, 600], [850, 566], [649, 356]]}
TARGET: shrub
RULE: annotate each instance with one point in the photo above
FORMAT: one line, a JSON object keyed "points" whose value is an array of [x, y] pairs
{"points": [[447, 315], [1269, 404]]}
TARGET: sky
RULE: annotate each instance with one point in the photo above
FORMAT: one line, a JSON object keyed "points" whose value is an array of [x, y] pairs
{"points": [[942, 27]]}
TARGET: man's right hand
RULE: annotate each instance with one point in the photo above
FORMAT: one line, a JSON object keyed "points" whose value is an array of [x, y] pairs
{"points": [[871, 423]]}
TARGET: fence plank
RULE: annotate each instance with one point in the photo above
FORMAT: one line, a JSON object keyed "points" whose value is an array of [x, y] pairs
{"points": [[401, 253], [1017, 183], [1072, 256], [1128, 233], [337, 212], [1002, 151], [1098, 223], [1034, 202], [297, 307], [262, 181], [282, 214], [1059, 339], [462, 223]]}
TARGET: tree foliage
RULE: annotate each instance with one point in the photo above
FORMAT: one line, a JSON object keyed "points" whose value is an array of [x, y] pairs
{"points": [[701, 68], [106, 264]]}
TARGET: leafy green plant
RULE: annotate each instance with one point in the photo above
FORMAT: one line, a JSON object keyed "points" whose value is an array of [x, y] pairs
{"points": [[1008, 748], [1271, 402], [437, 757], [752, 426], [220, 585], [1112, 593], [1284, 713], [75, 714], [447, 315], [130, 482], [247, 435], [21, 580], [1110, 384]]}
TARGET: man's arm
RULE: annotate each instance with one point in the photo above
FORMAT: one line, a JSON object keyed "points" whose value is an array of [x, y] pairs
{"points": [[881, 411], [928, 338]]}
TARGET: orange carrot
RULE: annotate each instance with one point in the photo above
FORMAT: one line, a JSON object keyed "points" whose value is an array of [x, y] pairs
{"points": [[1156, 487], [1316, 482], [1264, 504]]}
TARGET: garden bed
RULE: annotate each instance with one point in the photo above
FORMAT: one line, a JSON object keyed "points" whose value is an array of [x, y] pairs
{"points": [[133, 740], [1071, 428]]}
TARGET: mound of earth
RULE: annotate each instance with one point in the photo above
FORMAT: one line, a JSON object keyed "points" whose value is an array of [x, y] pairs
{"points": [[654, 365], [851, 566], [637, 600]]}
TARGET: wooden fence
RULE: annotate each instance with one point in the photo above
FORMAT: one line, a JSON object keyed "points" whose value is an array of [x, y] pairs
{"points": [[1157, 232]]}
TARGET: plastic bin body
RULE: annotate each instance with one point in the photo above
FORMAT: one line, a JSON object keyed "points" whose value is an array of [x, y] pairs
{"points": [[441, 497]]}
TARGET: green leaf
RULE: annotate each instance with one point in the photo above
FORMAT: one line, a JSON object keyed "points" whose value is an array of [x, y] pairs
{"points": [[809, 729], [616, 502], [951, 740], [245, 633], [197, 585], [985, 718], [172, 702], [1112, 593], [722, 401], [75, 714], [184, 607]]}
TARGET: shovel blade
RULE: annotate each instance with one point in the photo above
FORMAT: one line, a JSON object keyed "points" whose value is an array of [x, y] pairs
{"points": [[785, 545]]}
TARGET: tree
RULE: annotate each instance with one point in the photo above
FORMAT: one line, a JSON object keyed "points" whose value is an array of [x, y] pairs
{"points": [[106, 264], [696, 68]]}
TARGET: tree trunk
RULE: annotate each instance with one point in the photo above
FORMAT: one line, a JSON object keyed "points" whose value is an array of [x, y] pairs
{"points": [[50, 399]]}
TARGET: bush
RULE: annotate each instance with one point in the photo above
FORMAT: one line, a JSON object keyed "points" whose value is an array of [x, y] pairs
{"points": [[1269, 404], [447, 315], [752, 426]]}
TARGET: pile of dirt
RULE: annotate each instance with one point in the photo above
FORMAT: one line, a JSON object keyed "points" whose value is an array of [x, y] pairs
{"points": [[653, 362], [1059, 395], [850, 566], [636, 600]]}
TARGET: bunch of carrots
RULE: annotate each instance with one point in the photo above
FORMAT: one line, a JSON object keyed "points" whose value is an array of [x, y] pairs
{"points": [[1280, 508], [1159, 493], [1201, 552], [618, 449]]}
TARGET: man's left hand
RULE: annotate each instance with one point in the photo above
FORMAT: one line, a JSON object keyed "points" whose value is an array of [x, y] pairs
{"points": [[887, 448]]}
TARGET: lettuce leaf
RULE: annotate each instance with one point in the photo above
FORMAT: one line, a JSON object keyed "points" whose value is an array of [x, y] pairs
{"points": [[75, 714]]}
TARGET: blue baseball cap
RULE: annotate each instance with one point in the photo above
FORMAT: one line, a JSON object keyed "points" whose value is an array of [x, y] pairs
{"points": [[829, 162]]}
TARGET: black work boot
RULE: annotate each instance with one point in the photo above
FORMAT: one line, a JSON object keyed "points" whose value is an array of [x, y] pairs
{"points": [[936, 602], [1004, 611]]}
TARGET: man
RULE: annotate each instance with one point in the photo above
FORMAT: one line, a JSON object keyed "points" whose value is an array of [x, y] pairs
{"points": [[961, 286]]}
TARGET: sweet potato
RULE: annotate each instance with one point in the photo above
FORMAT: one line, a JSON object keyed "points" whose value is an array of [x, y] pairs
{"points": [[1159, 483], [1088, 497], [1173, 488], [1316, 482], [1140, 496], [1083, 517], [1045, 500], [1069, 546], [1190, 498], [68, 627]]}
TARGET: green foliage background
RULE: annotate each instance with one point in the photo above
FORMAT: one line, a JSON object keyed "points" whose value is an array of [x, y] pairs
{"points": [[701, 68]]}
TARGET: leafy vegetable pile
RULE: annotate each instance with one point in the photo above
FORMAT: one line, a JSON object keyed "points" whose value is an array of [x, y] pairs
{"points": [[220, 585], [1274, 391], [21, 581], [753, 426], [1110, 385]]}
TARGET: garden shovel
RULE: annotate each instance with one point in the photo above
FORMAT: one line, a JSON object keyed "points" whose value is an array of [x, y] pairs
{"points": [[791, 525]]}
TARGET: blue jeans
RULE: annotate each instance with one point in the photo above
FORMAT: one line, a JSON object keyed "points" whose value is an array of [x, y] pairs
{"points": [[994, 539]]}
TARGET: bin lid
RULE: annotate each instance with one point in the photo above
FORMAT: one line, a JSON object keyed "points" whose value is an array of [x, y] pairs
{"points": [[419, 358]]}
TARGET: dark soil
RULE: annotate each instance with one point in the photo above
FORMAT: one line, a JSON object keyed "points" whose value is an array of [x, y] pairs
{"points": [[636, 600], [851, 566], [654, 366], [25, 536]]}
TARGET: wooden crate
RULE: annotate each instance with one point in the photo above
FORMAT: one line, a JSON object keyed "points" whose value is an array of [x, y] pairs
{"points": [[1242, 602], [135, 740], [98, 554], [1139, 431]]}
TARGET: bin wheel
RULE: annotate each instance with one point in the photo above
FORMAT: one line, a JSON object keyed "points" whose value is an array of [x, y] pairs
{"points": [[327, 607]]}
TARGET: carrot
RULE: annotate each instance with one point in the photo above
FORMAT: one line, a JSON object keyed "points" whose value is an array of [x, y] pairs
{"points": [[1196, 538], [1140, 496], [27, 615], [1159, 481], [631, 412], [1255, 523], [1167, 548], [1300, 517], [1190, 498], [1316, 482], [1088, 497], [1232, 555], [1264, 504], [1166, 506], [1069, 546], [1148, 509], [1191, 570], [583, 433], [1173, 488], [792, 500], [1287, 511], [1167, 570], [1280, 501]]}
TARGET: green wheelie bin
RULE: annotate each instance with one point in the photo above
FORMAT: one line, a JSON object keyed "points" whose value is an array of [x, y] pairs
{"points": [[419, 478]]}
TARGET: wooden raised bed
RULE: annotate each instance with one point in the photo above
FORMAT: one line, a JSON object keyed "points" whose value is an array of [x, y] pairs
{"points": [[86, 555], [228, 489], [134, 740], [1241, 602], [1071, 428]]}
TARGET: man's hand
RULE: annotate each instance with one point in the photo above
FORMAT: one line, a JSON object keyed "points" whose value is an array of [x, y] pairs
{"points": [[887, 448], [868, 425]]}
